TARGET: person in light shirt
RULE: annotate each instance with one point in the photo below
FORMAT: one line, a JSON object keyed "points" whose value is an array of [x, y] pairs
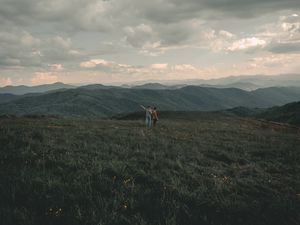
{"points": [[148, 115]]}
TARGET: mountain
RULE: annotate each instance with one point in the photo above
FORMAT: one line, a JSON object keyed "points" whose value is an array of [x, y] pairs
{"points": [[7, 98], [259, 80], [250, 82], [247, 86], [21, 90], [101, 102], [97, 86], [153, 86], [289, 113]]}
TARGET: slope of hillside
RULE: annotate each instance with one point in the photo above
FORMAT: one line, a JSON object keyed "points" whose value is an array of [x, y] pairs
{"points": [[106, 102], [212, 171], [282, 95], [289, 113], [7, 98]]}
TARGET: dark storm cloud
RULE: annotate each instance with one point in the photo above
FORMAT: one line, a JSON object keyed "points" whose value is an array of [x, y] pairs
{"points": [[92, 14], [168, 11], [71, 15]]}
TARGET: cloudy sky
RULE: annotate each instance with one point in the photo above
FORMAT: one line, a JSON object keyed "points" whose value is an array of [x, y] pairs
{"points": [[106, 41]]}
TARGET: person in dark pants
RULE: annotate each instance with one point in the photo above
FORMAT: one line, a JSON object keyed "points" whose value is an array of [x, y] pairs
{"points": [[154, 116]]}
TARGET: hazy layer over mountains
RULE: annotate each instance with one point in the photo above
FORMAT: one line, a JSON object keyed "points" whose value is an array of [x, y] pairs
{"points": [[248, 83]]}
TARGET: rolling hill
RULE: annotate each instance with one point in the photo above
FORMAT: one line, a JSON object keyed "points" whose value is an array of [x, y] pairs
{"points": [[7, 98], [289, 113], [106, 102]]}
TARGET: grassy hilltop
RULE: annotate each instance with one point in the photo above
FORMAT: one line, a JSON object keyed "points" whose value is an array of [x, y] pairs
{"points": [[210, 169]]}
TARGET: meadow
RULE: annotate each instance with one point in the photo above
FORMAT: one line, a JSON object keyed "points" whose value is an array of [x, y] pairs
{"points": [[189, 170]]}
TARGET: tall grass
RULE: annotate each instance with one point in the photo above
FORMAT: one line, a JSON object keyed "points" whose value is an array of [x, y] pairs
{"points": [[212, 170]]}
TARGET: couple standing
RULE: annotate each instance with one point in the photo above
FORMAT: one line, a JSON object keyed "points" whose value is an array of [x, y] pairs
{"points": [[151, 115]]}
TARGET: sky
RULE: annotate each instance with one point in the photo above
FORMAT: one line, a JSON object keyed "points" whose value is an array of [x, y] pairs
{"points": [[120, 41]]}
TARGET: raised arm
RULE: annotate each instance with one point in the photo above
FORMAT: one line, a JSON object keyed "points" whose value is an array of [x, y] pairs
{"points": [[143, 107]]}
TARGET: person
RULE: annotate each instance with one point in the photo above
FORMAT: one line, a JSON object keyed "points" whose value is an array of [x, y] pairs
{"points": [[154, 116], [148, 120]]}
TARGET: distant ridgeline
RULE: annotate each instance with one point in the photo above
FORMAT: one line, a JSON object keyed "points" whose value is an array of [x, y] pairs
{"points": [[99, 101]]}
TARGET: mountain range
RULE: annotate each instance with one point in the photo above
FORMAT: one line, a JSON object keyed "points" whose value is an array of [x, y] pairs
{"points": [[98, 102], [22, 89], [247, 83], [251, 82]]}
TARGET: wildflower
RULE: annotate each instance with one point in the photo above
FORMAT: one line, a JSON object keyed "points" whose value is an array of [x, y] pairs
{"points": [[126, 181]]}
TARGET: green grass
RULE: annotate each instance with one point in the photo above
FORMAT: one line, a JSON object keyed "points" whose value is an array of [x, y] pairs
{"points": [[209, 170]]}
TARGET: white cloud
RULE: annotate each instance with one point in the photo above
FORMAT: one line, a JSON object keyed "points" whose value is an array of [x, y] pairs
{"points": [[185, 67], [159, 66], [246, 44], [57, 67], [94, 62], [283, 36]]}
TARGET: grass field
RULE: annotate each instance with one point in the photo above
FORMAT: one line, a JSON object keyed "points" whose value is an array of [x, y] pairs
{"points": [[211, 169]]}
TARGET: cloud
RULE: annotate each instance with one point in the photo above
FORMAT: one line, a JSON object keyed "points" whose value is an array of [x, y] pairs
{"points": [[265, 64], [191, 38], [71, 15], [154, 25], [5, 81], [247, 44], [172, 11], [57, 67], [157, 38], [94, 62], [285, 48], [159, 66], [106, 66], [282, 36], [19, 48], [44, 78]]}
